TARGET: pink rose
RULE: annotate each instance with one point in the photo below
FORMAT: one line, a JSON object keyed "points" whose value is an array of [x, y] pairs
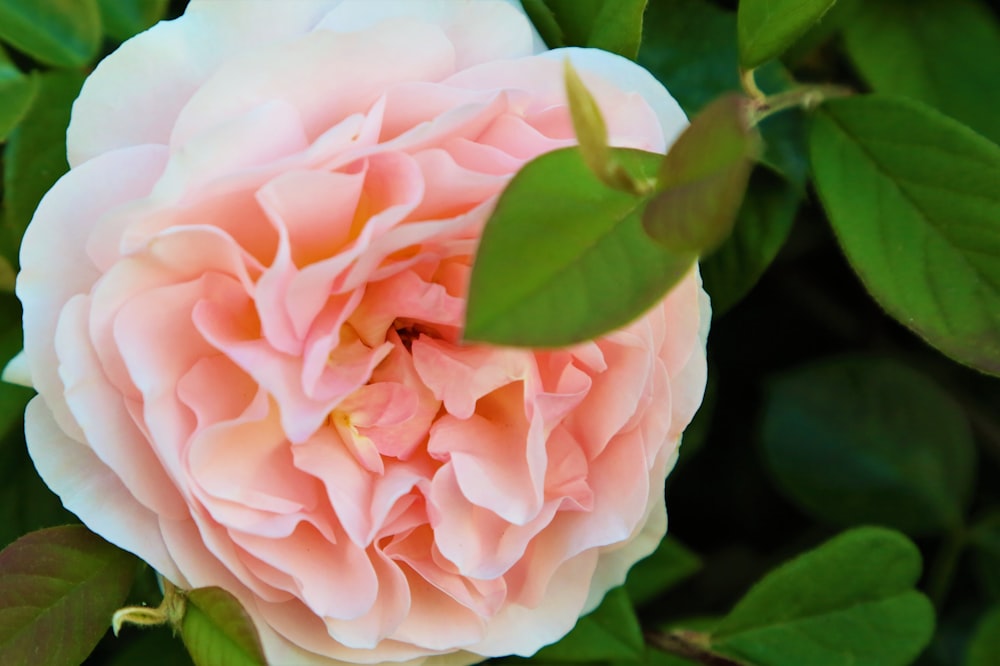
{"points": [[243, 310]]}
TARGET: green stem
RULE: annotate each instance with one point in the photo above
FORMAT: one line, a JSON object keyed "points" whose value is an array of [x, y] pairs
{"points": [[691, 645], [807, 97], [749, 83], [942, 572]]}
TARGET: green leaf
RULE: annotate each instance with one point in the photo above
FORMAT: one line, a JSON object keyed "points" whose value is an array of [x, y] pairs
{"points": [[985, 540], [668, 565], [123, 18], [702, 179], [611, 25], [592, 135], [60, 587], [218, 632], [611, 631], [572, 269], [767, 28], [17, 91], [913, 198], [984, 649], [946, 54], [150, 646], [36, 151], [861, 439], [689, 45], [849, 602], [545, 22], [63, 33], [762, 227]]}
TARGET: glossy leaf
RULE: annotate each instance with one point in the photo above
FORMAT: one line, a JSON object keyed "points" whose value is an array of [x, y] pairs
{"points": [[689, 46], [123, 18], [762, 227], [610, 632], [913, 198], [848, 602], [868, 440], [702, 179], [668, 565], [36, 151], [946, 54], [64, 33], [218, 632], [17, 90], [60, 587], [767, 28], [611, 25], [577, 267], [984, 648]]}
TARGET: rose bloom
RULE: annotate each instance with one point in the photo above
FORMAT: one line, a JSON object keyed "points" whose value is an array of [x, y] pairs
{"points": [[243, 309]]}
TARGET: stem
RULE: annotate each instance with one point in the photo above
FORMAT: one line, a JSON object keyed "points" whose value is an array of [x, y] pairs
{"points": [[807, 97], [170, 611], [689, 644], [749, 84], [943, 570]]}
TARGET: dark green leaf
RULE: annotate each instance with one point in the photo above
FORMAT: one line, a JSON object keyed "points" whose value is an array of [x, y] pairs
{"points": [[702, 179], [36, 151], [218, 632], [60, 587], [913, 198], [123, 18], [762, 226], [985, 540], [611, 631], [17, 90], [667, 566], [867, 440], [545, 22], [946, 54], [766, 28], [64, 33], [612, 25], [984, 649], [690, 46], [150, 646], [572, 269], [849, 602]]}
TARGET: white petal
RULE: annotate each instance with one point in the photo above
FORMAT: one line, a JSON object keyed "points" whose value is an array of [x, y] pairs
{"points": [[17, 371], [134, 95]]}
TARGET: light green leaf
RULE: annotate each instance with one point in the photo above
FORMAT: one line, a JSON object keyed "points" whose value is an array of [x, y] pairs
{"points": [[17, 90], [849, 602], [702, 179], [861, 439], [36, 152], [913, 198], [611, 631], [668, 565], [60, 587], [946, 54], [123, 18], [218, 632], [578, 266], [64, 33], [611, 25], [767, 28], [762, 227], [984, 649]]}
